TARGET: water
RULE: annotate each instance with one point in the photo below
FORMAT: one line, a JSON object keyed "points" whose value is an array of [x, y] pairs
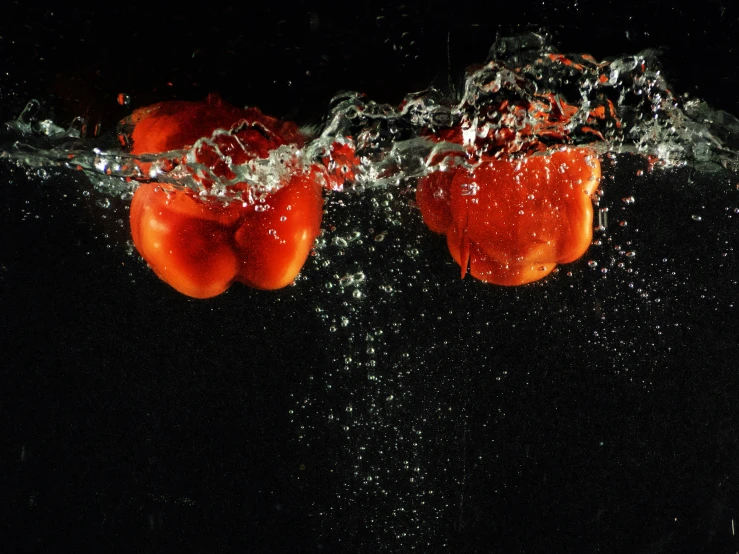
{"points": [[435, 412]]}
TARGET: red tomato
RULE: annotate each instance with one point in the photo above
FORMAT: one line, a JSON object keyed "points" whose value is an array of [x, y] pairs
{"points": [[200, 246], [511, 221]]}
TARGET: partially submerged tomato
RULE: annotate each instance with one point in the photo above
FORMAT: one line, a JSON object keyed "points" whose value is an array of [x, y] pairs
{"points": [[199, 244], [510, 221]]}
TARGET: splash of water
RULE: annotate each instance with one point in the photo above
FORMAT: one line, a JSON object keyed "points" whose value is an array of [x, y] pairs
{"points": [[525, 98]]}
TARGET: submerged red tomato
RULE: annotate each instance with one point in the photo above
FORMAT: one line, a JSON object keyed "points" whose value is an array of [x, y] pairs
{"points": [[200, 245], [511, 221]]}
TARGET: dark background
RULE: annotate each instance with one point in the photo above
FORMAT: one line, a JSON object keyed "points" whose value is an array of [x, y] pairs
{"points": [[593, 412]]}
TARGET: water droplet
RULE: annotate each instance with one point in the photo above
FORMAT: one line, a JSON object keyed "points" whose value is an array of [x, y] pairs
{"points": [[470, 189]]}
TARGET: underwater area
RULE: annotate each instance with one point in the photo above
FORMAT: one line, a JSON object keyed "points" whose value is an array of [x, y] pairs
{"points": [[379, 403]]}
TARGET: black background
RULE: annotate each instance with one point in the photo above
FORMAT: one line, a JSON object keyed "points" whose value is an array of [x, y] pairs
{"points": [[589, 413]]}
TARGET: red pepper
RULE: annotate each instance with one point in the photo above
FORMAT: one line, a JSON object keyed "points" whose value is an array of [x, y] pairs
{"points": [[199, 244], [507, 220], [510, 221], [179, 124]]}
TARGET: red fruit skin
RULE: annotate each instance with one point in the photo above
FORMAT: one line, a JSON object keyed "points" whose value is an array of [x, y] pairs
{"points": [[511, 221], [200, 245], [178, 124], [187, 242], [274, 243]]}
